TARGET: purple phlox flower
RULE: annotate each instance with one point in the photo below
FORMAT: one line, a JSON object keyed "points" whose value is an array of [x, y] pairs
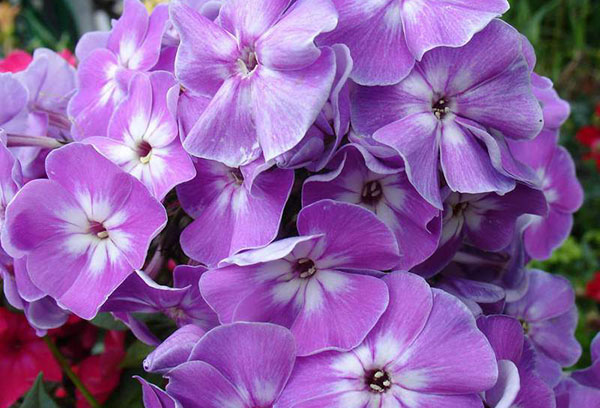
{"points": [[109, 61], [89, 220], [143, 135], [360, 178], [317, 284], [485, 221], [555, 171], [39, 96], [582, 387], [485, 280], [154, 397], [549, 317], [17, 120], [402, 362], [454, 112], [234, 208], [518, 385], [175, 350], [325, 136], [387, 37], [590, 377], [182, 302], [243, 365], [260, 66], [51, 82], [556, 110], [570, 394]]}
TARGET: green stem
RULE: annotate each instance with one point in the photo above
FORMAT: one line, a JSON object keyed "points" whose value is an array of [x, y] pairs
{"points": [[64, 364]]}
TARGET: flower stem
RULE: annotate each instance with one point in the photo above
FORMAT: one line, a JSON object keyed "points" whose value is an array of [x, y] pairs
{"points": [[64, 364], [13, 140]]}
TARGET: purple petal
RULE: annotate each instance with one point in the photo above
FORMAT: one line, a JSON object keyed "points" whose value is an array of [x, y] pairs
{"points": [[566, 193], [373, 31], [430, 24], [225, 287], [136, 38], [289, 44], [290, 102], [216, 53], [248, 21], [514, 110], [175, 350], [99, 92], [548, 296], [232, 142], [139, 293], [355, 237], [399, 205], [466, 164], [555, 337], [339, 310], [196, 384], [504, 393], [14, 91], [410, 305], [375, 107], [464, 363], [491, 220], [416, 139], [227, 213], [154, 397], [89, 42], [505, 334], [237, 351]]}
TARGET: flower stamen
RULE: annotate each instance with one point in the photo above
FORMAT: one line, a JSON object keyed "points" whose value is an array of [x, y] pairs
{"points": [[306, 267], [378, 381], [440, 108]]}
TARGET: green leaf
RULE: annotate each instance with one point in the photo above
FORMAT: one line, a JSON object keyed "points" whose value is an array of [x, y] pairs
{"points": [[136, 353], [37, 397], [128, 393], [108, 322]]}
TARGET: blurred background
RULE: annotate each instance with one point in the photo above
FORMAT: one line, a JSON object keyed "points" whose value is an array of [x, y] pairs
{"points": [[566, 37]]}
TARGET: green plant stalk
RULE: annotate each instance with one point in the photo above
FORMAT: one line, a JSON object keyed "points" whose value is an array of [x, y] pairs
{"points": [[64, 364]]}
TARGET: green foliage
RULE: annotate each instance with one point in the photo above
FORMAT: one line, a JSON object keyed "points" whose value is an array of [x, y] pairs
{"points": [[136, 353], [37, 397], [49, 24], [107, 322]]}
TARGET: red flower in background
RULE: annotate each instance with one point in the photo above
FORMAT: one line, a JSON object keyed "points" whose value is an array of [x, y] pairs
{"points": [[101, 373], [592, 289], [22, 356], [16, 61], [590, 136], [68, 56]]}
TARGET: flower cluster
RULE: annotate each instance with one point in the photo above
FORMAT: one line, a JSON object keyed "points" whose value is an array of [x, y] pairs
{"points": [[349, 191]]}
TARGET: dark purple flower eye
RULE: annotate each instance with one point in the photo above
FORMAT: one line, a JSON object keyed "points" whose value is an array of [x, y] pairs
{"points": [[378, 380]]}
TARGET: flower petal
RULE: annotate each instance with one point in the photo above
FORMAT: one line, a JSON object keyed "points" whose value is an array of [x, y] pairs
{"points": [[216, 53], [237, 351], [339, 310], [354, 237], [289, 44], [290, 102]]}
